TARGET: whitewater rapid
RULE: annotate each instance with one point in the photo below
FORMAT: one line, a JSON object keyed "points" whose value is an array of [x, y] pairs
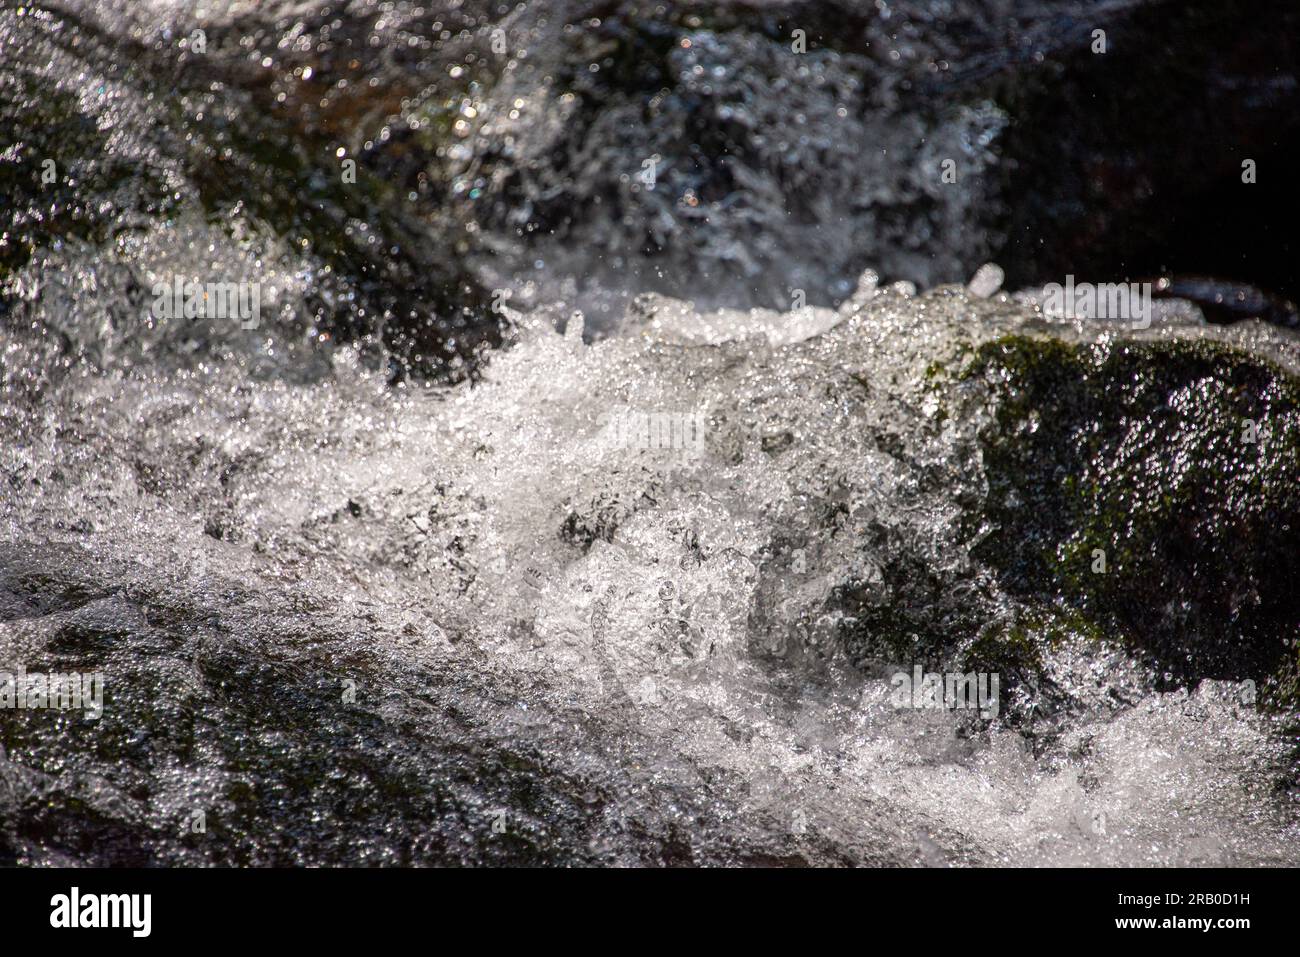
{"points": [[677, 603]]}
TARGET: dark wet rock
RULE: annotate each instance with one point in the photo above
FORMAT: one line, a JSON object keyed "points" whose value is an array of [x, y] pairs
{"points": [[210, 133], [243, 717], [1178, 459], [1179, 463]]}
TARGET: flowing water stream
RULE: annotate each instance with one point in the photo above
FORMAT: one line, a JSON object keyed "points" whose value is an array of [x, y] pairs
{"points": [[593, 547]]}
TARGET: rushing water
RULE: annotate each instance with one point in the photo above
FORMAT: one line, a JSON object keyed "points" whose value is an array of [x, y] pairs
{"points": [[347, 615]]}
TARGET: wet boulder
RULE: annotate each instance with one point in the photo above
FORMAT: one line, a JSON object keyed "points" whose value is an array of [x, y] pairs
{"points": [[1153, 488]]}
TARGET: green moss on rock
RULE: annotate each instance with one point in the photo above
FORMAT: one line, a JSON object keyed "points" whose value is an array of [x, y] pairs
{"points": [[1175, 467]]}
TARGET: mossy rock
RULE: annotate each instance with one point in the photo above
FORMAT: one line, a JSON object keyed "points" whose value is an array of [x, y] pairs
{"points": [[1175, 467]]}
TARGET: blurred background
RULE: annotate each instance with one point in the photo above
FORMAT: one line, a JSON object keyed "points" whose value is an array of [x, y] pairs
{"points": [[505, 146]]}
